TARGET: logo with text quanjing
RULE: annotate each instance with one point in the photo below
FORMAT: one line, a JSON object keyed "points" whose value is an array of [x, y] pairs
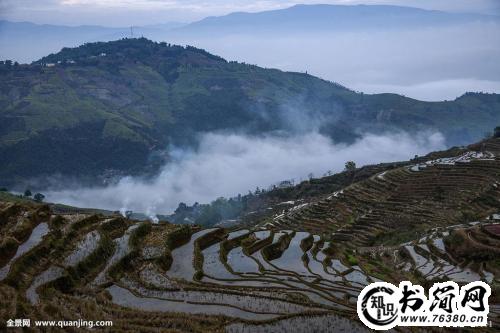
{"points": [[382, 305]]}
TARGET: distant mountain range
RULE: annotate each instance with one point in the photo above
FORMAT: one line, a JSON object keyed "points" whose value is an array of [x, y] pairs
{"points": [[115, 107], [326, 18], [25, 42]]}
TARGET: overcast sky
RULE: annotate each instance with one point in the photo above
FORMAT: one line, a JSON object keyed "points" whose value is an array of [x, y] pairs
{"points": [[142, 12]]}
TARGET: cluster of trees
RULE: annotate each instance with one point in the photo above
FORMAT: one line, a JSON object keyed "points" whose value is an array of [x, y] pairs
{"points": [[228, 209], [216, 211], [38, 197], [212, 213], [350, 166], [9, 66], [496, 132], [220, 209], [9, 63]]}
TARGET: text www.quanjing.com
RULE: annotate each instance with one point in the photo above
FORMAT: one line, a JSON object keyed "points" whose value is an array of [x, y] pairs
{"points": [[444, 319], [73, 323]]}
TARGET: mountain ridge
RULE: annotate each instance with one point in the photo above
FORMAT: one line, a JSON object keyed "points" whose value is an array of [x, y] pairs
{"points": [[326, 17], [47, 38], [120, 104]]}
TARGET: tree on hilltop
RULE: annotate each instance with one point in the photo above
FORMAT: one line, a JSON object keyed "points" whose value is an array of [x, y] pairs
{"points": [[350, 166], [496, 133], [39, 197]]}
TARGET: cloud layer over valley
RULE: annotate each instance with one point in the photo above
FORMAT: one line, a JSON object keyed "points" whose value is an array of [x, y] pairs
{"points": [[225, 165]]}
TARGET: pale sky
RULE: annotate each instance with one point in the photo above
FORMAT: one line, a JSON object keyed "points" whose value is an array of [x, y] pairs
{"points": [[143, 12]]}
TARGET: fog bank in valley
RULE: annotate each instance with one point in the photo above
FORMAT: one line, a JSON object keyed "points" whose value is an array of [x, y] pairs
{"points": [[225, 165]]}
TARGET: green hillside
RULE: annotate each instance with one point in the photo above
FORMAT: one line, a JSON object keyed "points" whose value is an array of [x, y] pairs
{"points": [[114, 108]]}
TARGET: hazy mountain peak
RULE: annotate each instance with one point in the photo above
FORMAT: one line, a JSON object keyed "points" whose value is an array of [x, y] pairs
{"points": [[131, 49], [326, 17]]}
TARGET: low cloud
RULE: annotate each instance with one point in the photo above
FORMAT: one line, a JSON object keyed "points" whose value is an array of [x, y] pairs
{"points": [[225, 165]]}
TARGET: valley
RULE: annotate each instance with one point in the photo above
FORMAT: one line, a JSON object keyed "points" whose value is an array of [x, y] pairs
{"points": [[302, 267]]}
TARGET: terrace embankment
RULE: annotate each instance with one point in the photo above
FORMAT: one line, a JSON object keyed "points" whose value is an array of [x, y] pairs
{"points": [[398, 203]]}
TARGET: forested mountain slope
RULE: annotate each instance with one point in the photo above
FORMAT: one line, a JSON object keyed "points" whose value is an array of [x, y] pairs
{"points": [[116, 107]]}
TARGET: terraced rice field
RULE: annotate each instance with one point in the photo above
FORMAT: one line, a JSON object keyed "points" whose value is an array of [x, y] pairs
{"points": [[434, 192], [299, 271], [238, 281], [462, 253], [213, 280], [35, 238]]}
